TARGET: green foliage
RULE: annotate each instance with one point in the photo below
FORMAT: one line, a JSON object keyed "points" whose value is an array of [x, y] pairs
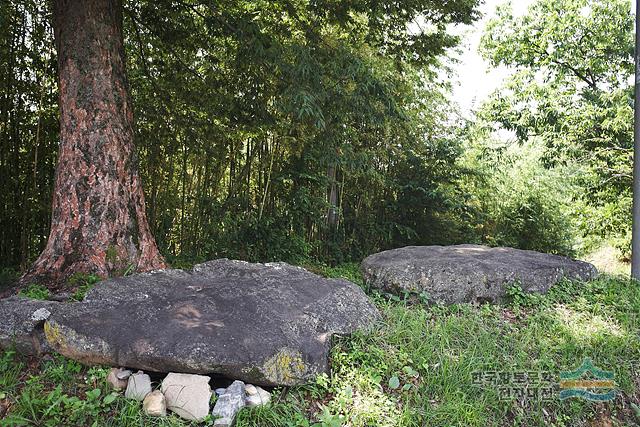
{"points": [[414, 369], [79, 282], [573, 63], [28, 129], [82, 283], [435, 350], [249, 239], [35, 291], [349, 271], [61, 392], [7, 277], [531, 221], [520, 299], [242, 110], [515, 200]]}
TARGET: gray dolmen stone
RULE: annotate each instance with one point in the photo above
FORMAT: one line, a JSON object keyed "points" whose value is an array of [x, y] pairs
{"points": [[228, 405], [22, 322], [468, 273], [267, 324], [187, 395]]}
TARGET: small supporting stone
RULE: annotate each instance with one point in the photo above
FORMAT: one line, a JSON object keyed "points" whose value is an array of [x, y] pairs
{"points": [[229, 404], [123, 374], [250, 389], [115, 381], [138, 387], [257, 396], [155, 404], [187, 395]]}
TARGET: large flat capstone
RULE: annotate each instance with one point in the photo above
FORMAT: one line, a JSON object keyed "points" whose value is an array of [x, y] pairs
{"points": [[21, 324], [469, 273], [268, 324]]}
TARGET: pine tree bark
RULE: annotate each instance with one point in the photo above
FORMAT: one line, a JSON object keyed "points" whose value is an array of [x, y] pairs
{"points": [[98, 222]]}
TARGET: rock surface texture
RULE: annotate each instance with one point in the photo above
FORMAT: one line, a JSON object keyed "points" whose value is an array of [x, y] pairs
{"points": [[257, 398], [228, 405], [21, 324], [468, 273], [116, 379], [187, 395], [155, 404], [267, 324], [138, 386]]}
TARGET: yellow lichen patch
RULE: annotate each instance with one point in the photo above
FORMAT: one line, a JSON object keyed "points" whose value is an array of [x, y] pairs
{"points": [[54, 335], [285, 367]]}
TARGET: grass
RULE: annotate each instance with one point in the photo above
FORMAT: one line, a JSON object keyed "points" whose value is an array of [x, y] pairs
{"points": [[77, 287], [416, 369]]}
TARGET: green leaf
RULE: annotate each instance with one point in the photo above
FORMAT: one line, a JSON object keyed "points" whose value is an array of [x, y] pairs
{"points": [[410, 371], [636, 410], [394, 382], [94, 394], [108, 399]]}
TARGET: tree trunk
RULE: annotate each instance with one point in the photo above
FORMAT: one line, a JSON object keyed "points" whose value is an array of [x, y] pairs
{"points": [[332, 197], [98, 222]]}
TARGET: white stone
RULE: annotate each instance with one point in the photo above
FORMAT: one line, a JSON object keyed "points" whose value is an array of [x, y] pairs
{"points": [[155, 404], [220, 391], [187, 395], [229, 404], [262, 397], [123, 374], [250, 389], [138, 387]]}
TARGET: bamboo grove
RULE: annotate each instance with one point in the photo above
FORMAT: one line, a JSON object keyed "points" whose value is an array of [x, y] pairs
{"points": [[323, 129], [265, 130]]}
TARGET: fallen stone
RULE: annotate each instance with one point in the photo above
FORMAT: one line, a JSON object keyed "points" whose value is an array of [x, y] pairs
{"points": [[250, 389], [138, 386], [261, 397], [228, 405], [114, 381], [195, 321], [187, 395], [221, 391], [123, 374], [21, 324], [154, 404], [468, 273]]}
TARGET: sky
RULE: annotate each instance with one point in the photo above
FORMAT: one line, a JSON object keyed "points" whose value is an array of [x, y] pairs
{"points": [[476, 80]]}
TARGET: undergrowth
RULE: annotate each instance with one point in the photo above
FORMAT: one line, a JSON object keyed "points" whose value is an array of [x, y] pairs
{"points": [[415, 369]]}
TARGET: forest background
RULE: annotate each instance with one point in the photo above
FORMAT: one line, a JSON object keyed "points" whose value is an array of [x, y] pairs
{"points": [[325, 131]]}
